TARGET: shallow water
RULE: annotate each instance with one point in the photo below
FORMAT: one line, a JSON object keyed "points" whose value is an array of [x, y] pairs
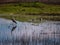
{"points": [[44, 33]]}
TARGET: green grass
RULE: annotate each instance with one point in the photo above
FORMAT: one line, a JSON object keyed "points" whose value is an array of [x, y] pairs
{"points": [[29, 18], [29, 11], [36, 8]]}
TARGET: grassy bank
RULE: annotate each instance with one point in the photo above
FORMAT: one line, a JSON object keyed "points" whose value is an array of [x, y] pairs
{"points": [[30, 11], [33, 8], [31, 18]]}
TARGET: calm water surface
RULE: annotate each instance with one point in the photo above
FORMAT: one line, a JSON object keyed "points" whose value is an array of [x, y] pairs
{"points": [[44, 33]]}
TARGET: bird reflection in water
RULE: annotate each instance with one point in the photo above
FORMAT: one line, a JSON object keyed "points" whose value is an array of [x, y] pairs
{"points": [[13, 25]]}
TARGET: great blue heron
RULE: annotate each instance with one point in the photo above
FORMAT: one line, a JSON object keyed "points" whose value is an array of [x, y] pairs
{"points": [[14, 25], [13, 20]]}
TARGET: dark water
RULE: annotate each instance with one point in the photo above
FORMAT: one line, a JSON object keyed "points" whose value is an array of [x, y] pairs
{"points": [[44, 33]]}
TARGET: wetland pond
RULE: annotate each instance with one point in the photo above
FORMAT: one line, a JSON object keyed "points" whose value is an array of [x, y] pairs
{"points": [[28, 33]]}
